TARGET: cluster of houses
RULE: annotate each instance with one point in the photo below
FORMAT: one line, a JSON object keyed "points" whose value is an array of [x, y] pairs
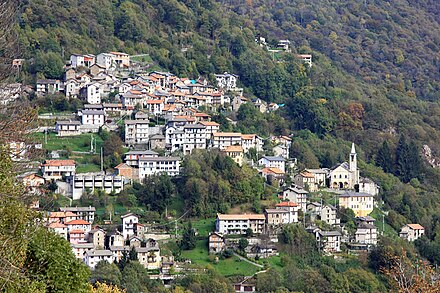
{"points": [[295, 200], [92, 244]]}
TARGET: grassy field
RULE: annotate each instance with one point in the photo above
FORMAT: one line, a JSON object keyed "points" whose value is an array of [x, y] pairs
{"points": [[389, 231], [227, 267], [80, 143], [204, 226]]}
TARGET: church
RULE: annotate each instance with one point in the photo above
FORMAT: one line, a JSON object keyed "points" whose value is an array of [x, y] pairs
{"points": [[345, 175]]}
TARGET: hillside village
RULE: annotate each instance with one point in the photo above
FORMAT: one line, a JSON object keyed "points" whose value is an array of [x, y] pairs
{"points": [[164, 118]]}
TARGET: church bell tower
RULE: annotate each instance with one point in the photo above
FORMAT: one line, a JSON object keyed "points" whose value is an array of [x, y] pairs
{"points": [[353, 166]]}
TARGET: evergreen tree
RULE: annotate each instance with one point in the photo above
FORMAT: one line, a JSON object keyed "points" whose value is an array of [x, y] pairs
{"points": [[402, 160], [189, 238], [384, 158], [132, 254], [408, 160]]}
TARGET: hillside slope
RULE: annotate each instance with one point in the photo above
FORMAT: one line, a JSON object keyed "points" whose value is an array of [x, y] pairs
{"points": [[379, 41], [375, 74]]}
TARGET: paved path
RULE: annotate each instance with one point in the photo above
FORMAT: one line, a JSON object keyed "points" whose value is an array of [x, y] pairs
{"points": [[249, 261]]}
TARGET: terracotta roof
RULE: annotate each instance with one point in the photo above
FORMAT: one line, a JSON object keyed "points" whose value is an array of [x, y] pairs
{"points": [[286, 204], [62, 214], [119, 53], [201, 115], [415, 226], [78, 222], [33, 176], [248, 136], [272, 171], [59, 163], [57, 225], [155, 101], [209, 123], [123, 165], [188, 118], [241, 217], [307, 174], [76, 232], [233, 148], [235, 134]]}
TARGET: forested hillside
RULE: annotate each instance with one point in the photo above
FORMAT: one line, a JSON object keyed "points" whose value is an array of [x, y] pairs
{"points": [[375, 77]]}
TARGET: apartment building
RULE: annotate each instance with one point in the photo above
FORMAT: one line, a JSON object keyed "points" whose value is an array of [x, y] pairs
{"points": [[239, 223], [89, 182], [57, 169], [194, 137], [136, 131], [155, 165], [221, 140]]}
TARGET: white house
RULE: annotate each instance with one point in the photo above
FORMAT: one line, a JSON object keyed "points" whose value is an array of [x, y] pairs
{"points": [[273, 162], [284, 213], [155, 165], [48, 86], [68, 128], [194, 137], [80, 249], [412, 232], [129, 222], [136, 131], [329, 241], [366, 234], [368, 186], [93, 257], [92, 93], [105, 60], [58, 228], [71, 88], [296, 195], [249, 141], [77, 60], [56, 169], [93, 117], [226, 81], [132, 157]]}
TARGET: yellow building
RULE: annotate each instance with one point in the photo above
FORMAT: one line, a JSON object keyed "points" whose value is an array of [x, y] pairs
{"points": [[236, 153], [361, 203]]}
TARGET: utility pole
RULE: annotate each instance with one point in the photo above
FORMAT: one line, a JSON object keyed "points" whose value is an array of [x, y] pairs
{"points": [[383, 224], [175, 225], [102, 161], [91, 143], [45, 136]]}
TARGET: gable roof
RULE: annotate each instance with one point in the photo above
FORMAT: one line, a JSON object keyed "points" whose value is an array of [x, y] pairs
{"points": [[58, 163], [78, 222], [286, 204], [415, 226]]}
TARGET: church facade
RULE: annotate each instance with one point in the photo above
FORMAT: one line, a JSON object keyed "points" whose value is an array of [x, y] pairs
{"points": [[345, 175]]}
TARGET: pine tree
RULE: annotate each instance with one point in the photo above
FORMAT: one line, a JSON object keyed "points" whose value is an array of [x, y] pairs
{"points": [[403, 160], [408, 160], [384, 158], [132, 254], [189, 238]]}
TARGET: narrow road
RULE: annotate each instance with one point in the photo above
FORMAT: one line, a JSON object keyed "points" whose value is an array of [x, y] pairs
{"points": [[249, 261]]}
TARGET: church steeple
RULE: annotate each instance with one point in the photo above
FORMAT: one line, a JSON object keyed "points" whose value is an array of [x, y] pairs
{"points": [[353, 159], [353, 166]]}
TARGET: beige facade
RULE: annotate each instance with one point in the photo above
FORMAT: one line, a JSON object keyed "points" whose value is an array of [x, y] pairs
{"points": [[362, 204], [412, 232]]}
